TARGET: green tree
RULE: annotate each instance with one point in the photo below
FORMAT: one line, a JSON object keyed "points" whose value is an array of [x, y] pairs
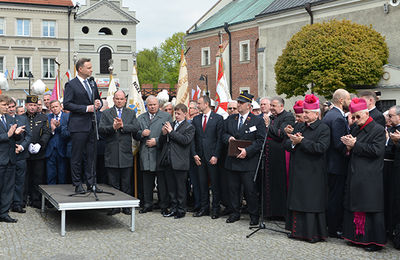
{"points": [[331, 55], [150, 70], [170, 55]]}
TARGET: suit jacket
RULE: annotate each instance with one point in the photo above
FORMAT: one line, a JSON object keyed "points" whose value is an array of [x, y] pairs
{"points": [[26, 136], [41, 134], [336, 161], [7, 145], [76, 100], [254, 130], [208, 143], [118, 148], [177, 144], [378, 116], [57, 140], [148, 155]]}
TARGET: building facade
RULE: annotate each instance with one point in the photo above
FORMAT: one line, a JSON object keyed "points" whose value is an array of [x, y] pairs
{"points": [[34, 35], [105, 30]]}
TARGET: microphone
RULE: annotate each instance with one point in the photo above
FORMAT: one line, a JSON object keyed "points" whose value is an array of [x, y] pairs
{"points": [[91, 81]]}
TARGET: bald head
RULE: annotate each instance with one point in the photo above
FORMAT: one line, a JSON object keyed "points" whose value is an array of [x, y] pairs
{"points": [[341, 99]]}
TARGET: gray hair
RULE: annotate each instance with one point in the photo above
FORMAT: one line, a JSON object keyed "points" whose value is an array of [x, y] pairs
{"points": [[396, 108], [279, 99]]}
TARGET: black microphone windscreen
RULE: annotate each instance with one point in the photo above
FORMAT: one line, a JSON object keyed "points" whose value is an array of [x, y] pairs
{"points": [[91, 78]]}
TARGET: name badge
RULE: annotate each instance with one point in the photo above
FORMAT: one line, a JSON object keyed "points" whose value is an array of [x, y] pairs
{"points": [[252, 129]]}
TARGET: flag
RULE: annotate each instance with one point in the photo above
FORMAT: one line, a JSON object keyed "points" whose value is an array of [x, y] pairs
{"points": [[222, 96], [112, 88], [6, 73], [136, 103], [68, 74], [12, 74], [182, 93], [56, 93], [196, 94]]}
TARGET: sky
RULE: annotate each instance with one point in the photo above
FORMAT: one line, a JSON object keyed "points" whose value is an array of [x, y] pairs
{"points": [[160, 19]]}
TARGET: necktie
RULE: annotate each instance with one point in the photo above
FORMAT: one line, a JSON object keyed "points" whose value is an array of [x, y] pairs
{"points": [[3, 119], [57, 117], [151, 116], [240, 122], [204, 123], [176, 125], [119, 112], [89, 92]]}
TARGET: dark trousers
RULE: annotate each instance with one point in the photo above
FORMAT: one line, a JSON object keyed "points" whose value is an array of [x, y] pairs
{"points": [[336, 185], [20, 168], [148, 186], [35, 175], [55, 165], [120, 179], [101, 172], [236, 179], [194, 181], [176, 185], [205, 171], [223, 180], [7, 180], [83, 145]]}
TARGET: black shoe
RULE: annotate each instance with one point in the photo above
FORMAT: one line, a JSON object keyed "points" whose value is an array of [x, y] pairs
{"points": [[203, 212], [18, 209], [215, 214], [145, 210], [337, 234], [127, 211], [315, 240], [79, 189], [232, 218], [94, 188], [113, 212], [372, 248], [254, 220], [164, 211], [291, 236], [8, 219], [179, 215], [169, 214]]}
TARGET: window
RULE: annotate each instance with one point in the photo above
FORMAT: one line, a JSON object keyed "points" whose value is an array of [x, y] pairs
{"points": [[23, 27], [2, 64], [2, 26], [105, 56], [105, 31], [124, 31], [244, 50], [49, 28], [49, 69], [124, 65], [205, 56], [85, 29], [23, 67]]}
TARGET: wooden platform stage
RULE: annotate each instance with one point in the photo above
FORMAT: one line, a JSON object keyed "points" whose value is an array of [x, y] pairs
{"points": [[59, 197]]}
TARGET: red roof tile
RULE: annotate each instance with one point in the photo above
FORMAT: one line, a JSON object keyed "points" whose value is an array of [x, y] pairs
{"points": [[41, 2]]}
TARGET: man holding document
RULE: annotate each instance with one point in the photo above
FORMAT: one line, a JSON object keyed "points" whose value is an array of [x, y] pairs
{"points": [[243, 129]]}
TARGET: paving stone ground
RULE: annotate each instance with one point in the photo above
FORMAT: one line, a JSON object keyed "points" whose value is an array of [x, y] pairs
{"points": [[92, 234]]}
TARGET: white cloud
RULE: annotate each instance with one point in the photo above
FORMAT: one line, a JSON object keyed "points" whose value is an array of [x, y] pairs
{"points": [[160, 19]]}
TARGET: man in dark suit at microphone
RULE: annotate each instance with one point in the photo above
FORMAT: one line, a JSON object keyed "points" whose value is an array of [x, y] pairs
{"points": [[78, 99]]}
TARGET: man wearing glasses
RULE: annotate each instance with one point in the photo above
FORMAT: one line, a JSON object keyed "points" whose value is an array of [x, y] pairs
{"points": [[232, 107]]}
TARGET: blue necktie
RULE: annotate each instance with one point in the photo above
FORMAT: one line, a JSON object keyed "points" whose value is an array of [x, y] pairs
{"points": [[240, 122], [88, 89], [119, 112], [3, 119]]}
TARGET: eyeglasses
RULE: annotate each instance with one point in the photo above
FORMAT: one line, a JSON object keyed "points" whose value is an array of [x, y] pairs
{"points": [[390, 116], [232, 108], [354, 117]]}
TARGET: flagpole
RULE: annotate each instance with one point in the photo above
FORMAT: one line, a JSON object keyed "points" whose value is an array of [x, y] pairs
{"points": [[75, 58]]}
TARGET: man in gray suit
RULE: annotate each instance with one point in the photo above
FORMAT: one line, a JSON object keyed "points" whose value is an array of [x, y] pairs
{"points": [[9, 133], [117, 125], [150, 125]]}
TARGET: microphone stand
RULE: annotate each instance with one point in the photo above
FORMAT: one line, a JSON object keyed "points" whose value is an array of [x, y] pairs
{"points": [[261, 167]]}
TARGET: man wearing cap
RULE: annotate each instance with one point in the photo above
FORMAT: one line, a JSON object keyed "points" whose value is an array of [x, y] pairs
{"points": [[207, 150], [336, 161], [36, 163], [241, 168], [9, 133], [298, 111], [308, 144], [276, 166], [78, 99], [363, 221]]}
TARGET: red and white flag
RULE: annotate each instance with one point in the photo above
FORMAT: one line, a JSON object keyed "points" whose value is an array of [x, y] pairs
{"points": [[68, 74], [222, 96], [12, 74], [56, 93], [196, 94]]}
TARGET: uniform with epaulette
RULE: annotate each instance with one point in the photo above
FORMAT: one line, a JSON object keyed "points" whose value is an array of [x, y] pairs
{"points": [[36, 164]]}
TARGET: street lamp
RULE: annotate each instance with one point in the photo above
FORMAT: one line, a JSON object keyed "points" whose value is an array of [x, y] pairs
{"points": [[29, 77], [205, 78]]}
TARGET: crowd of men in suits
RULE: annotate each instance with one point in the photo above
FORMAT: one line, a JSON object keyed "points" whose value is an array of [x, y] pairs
{"points": [[326, 173]]}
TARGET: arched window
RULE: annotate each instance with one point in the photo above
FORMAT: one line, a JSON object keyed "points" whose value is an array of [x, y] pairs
{"points": [[105, 56], [105, 31]]}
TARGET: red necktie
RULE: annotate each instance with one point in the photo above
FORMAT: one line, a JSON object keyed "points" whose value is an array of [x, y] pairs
{"points": [[204, 123]]}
